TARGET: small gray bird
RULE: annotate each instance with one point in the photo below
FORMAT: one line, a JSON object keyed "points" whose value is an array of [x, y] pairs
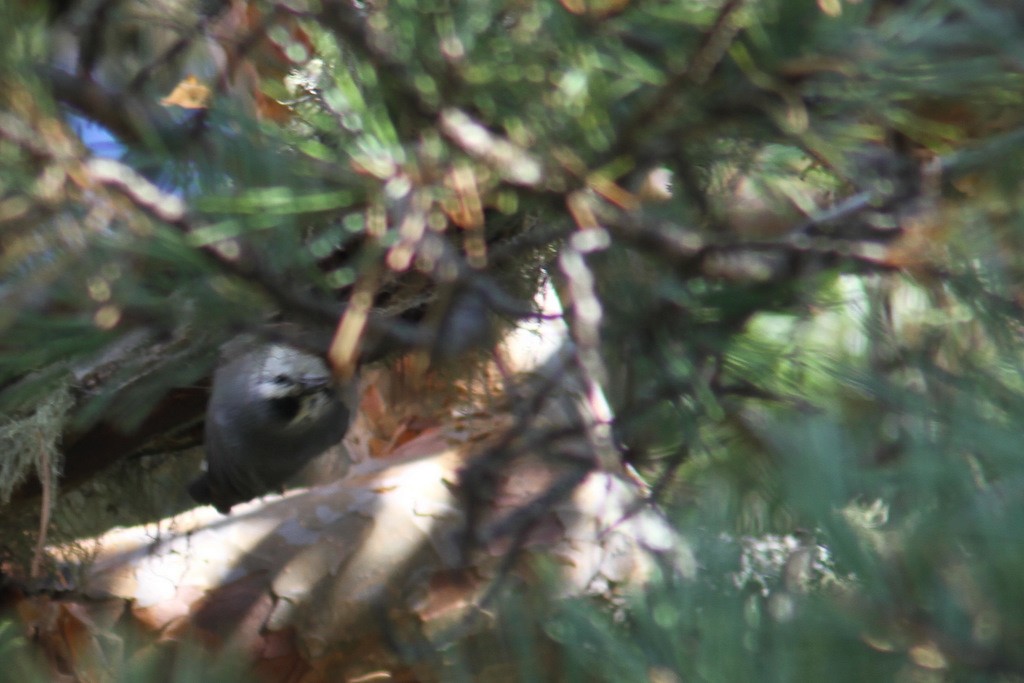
{"points": [[273, 409]]}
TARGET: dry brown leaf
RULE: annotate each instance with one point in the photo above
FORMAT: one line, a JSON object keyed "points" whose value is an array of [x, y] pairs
{"points": [[190, 93]]}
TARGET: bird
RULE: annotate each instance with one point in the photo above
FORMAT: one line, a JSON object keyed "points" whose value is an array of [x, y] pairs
{"points": [[272, 409]]}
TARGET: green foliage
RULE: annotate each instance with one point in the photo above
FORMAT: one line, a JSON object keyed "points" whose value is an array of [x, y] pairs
{"points": [[815, 330], [17, 657]]}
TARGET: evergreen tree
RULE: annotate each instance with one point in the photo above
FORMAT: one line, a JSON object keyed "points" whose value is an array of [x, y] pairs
{"points": [[784, 234]]}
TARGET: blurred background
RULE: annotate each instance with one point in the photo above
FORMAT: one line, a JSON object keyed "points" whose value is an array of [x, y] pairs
{"points": [[784, 238]]}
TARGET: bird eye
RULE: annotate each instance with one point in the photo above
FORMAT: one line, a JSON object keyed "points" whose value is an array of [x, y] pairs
{"points": [[286, 407]]}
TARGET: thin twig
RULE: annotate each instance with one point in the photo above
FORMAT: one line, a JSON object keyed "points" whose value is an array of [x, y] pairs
{"points": [[46, 481], [712, 47]]}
